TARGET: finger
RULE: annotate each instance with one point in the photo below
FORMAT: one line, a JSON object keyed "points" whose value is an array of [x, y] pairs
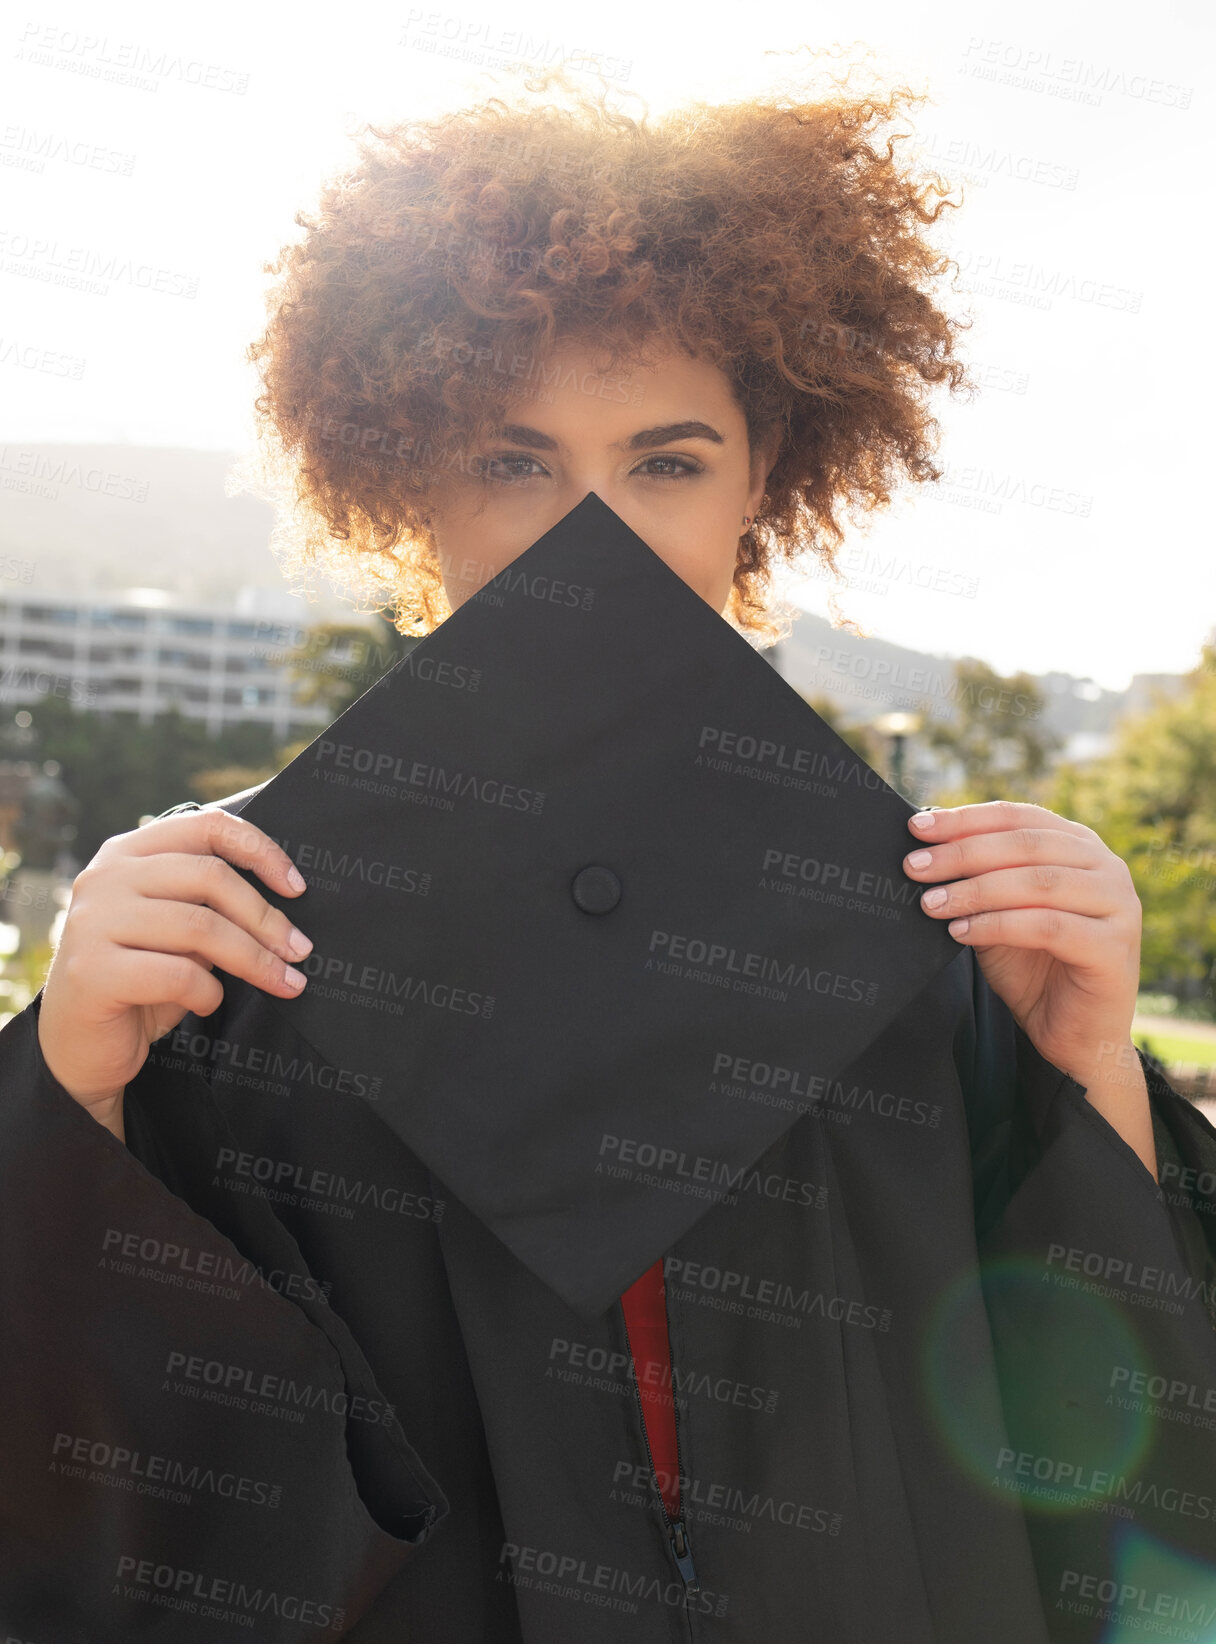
{"points": [[215, 832], [984, 852], [1047, 885], [142, 976], [994, 816], [175, 876], [187, 929], [1072, 938]]}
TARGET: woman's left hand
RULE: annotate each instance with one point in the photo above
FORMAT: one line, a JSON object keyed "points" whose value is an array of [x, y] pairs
{"points": [[1053, 916]]}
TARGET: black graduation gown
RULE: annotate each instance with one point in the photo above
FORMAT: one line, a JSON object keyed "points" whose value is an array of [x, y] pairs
{"points": [[334, 1344]]}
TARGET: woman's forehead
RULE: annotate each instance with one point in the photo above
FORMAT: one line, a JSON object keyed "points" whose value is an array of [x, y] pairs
{"points": [[631, 405]]}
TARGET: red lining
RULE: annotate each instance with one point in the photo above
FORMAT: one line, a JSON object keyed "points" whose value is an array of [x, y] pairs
{"points": [[650, 1347]]}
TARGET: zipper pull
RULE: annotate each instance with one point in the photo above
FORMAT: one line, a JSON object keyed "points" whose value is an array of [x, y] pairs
{"points": [[683, 1551]]}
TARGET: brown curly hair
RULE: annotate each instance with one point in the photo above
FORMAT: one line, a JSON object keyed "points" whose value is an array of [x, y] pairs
{"points": [[778, 239]]}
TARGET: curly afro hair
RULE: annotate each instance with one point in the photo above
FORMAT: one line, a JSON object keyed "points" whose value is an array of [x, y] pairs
{"points": [[779, 239]]}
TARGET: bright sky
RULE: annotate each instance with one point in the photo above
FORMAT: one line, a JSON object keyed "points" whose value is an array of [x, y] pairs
{"points": [[1074, 528]]}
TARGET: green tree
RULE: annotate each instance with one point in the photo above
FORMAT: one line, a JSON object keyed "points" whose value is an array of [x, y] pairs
{"points": [[863, 740], [119, 769], [339, 661], [996, 734], [1152, 799]]}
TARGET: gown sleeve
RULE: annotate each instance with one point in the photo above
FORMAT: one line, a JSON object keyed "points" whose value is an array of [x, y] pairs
{"points": [[192, 1439], [1100, 1288]]}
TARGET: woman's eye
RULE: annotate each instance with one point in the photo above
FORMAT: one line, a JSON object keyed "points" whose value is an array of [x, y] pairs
{"points": [[493, 467], [687, 467]]}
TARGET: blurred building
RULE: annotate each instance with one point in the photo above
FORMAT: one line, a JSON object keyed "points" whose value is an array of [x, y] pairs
{"points": [[143, 652]]}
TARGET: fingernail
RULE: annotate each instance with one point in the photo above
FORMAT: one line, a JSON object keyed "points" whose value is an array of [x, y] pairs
{"points": [[923, 819], [294, 978], [920, 859], [295, 878], [297, 943]]}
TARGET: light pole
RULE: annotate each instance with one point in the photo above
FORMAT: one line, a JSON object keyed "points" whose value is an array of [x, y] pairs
{"points": [[897, 726]]}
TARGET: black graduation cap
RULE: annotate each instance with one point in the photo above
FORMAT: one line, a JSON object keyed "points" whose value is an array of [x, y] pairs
{"points": [[599, 904]]}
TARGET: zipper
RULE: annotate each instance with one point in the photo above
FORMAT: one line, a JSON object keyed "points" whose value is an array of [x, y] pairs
{"points": [[677, 1529]]}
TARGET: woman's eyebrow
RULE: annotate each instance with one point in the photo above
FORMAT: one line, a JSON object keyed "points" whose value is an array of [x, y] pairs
{"points": [[521, 434], [671, 431]]}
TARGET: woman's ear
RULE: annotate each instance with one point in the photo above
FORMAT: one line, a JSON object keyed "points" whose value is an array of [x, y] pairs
{"points": [[764, 458]]}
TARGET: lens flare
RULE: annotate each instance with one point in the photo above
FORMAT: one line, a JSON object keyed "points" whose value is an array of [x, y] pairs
{"points": [[1066, 1426]]}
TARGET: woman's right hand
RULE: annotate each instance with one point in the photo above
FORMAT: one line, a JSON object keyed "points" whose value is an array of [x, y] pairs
{"points": [[150, 916]]}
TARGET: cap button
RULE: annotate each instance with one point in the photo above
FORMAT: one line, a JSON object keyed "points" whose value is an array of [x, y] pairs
{"points": [[596, 889]]}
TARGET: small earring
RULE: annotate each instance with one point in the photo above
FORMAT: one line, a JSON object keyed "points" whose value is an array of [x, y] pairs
{"points": [[747, 519]]}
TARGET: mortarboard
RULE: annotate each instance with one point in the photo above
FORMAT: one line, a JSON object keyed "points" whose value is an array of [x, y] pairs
{"points": [[599, 904]]}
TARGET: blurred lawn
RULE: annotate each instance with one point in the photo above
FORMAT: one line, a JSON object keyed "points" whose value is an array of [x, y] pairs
{"points": [[1176, 1047]]}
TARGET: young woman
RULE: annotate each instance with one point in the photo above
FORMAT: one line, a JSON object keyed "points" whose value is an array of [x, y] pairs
{"points": [[720, 324]]}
